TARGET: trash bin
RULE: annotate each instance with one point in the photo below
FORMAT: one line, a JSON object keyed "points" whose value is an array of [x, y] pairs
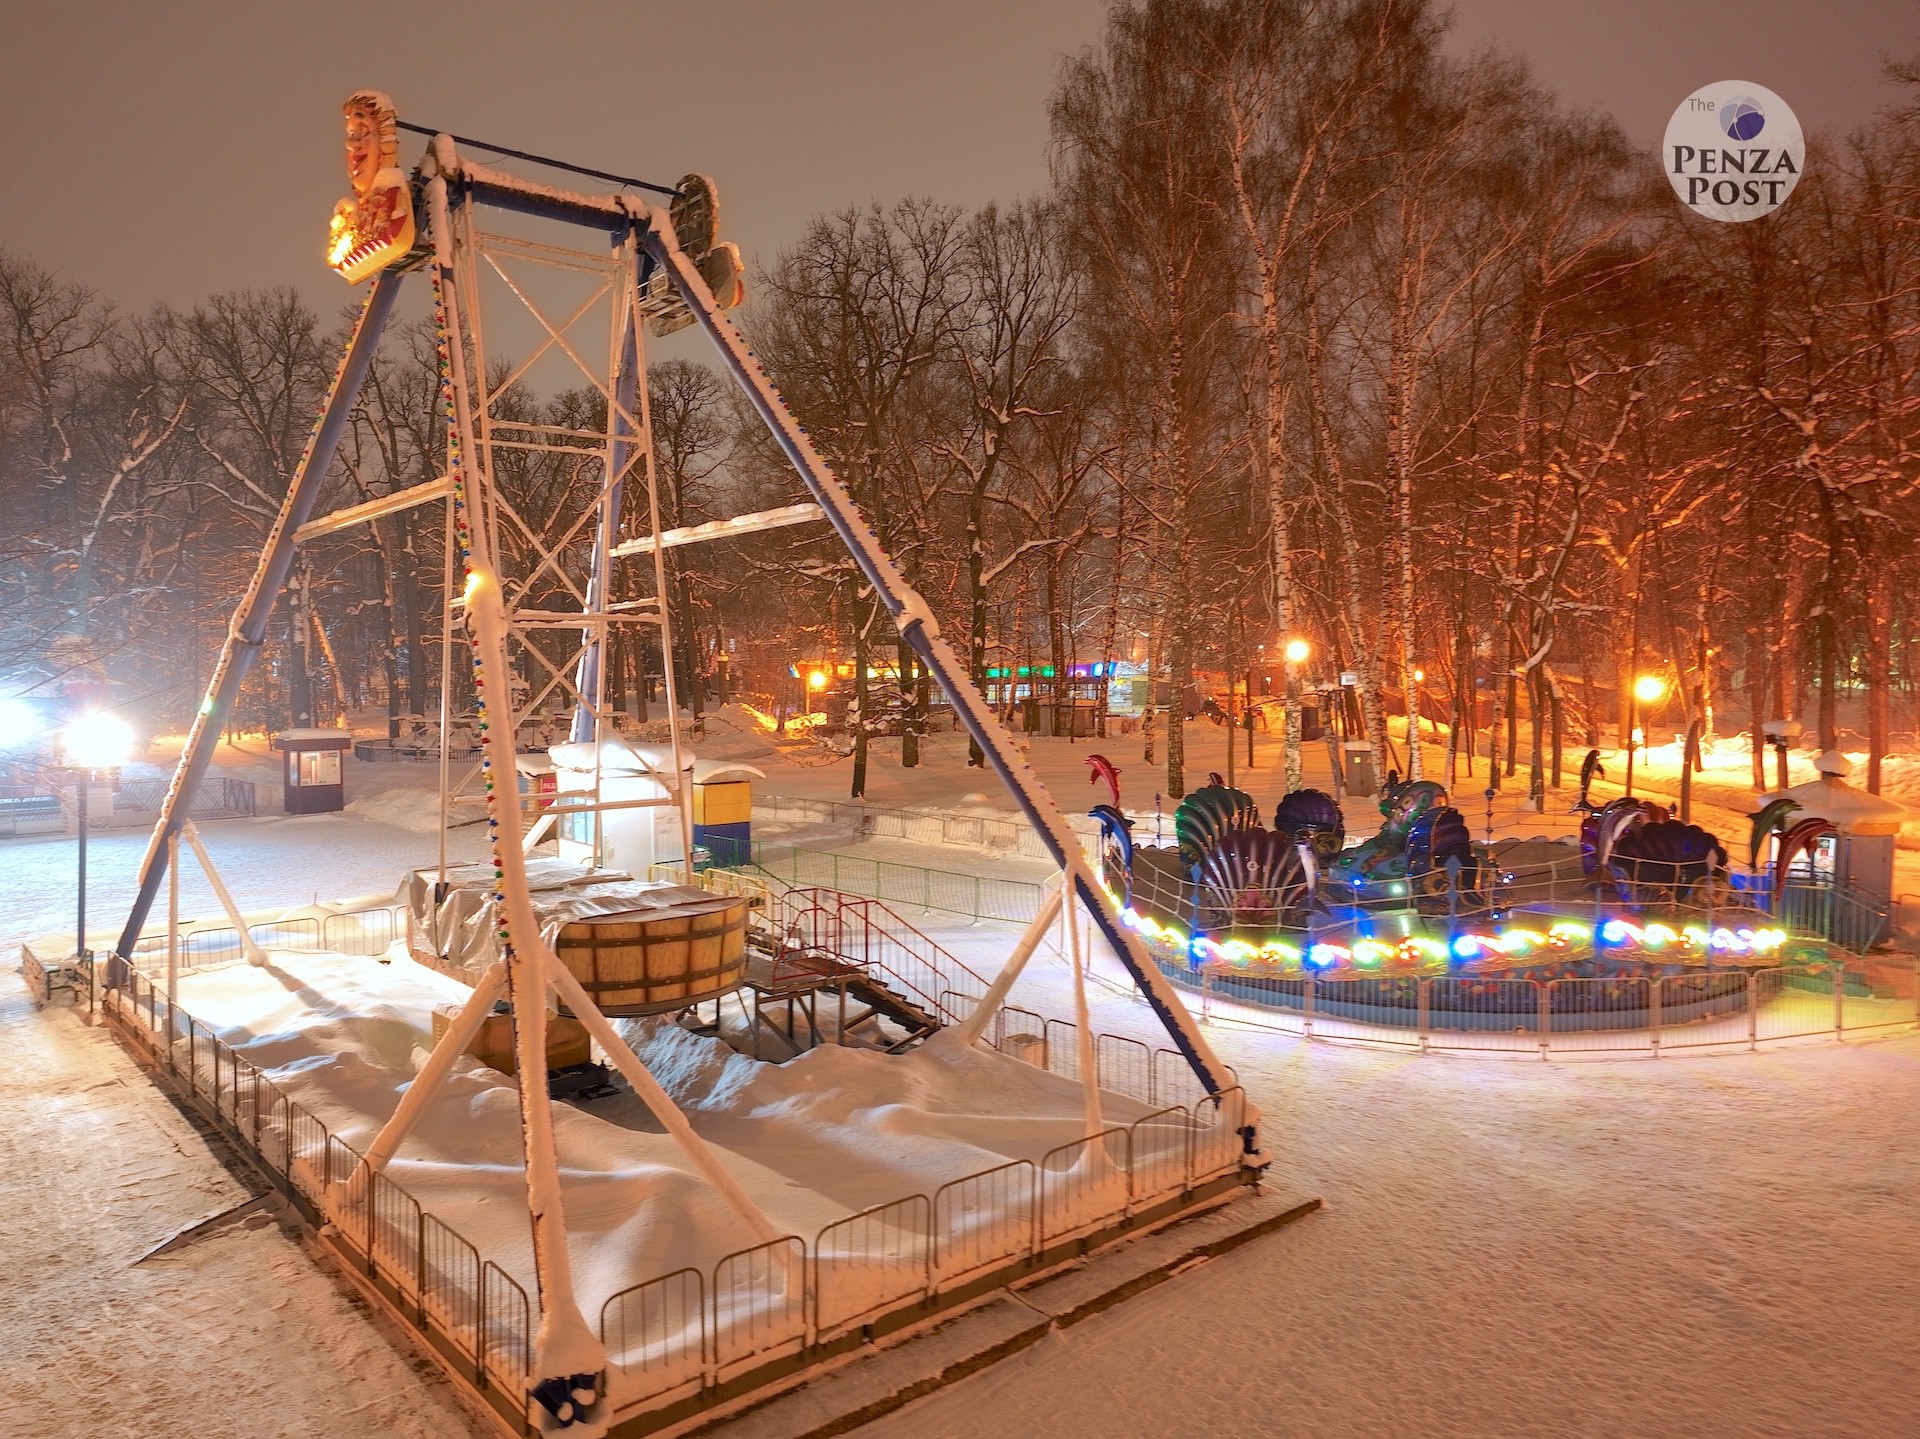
{"points": [[1357, 757]]}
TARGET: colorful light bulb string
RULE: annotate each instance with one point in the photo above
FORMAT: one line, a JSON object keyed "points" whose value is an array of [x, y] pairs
{"points": [[463, 537]]}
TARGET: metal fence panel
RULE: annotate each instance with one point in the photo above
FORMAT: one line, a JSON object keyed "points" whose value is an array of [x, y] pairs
{"points": [[1375, 1008], [506, 1330], [1491, 1014], [1174, 1081], [363, 932], [394, 1237], [1062, 1048], [295, 934], [759, 1299], [1217, 1143], [1600, 1014], [1160, 1148], [983, 1221], [1791, 1002], [871, 1261], [1705, 1009], [1872, 1000], [450, 1295], [1123, 1066], [1083, 1185], [1021, 1033], [656, 1335]]}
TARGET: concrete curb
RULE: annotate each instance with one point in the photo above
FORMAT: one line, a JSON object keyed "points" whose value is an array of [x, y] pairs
{"points": [[888, 1377]]}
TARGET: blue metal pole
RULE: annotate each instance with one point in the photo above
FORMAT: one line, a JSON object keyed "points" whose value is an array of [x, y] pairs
{"points": [[918, 627], [247, 636]]}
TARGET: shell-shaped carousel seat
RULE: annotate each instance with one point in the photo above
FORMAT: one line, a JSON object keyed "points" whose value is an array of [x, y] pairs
{"points": [[1664, 861], [1209, 815], [1312, 817], [1436, 837], [1253, 878], [1409, 800], [1601, 829]]}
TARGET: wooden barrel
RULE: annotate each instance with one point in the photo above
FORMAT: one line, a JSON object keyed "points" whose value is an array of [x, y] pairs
{"points": [[657, 960]]}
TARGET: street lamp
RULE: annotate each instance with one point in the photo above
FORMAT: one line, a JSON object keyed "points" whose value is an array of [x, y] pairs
{"points": [[1298, 652], [91, 743], [1647, 690]]}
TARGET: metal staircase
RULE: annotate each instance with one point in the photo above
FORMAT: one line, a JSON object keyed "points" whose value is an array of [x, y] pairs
{"points": [[904, 985]]}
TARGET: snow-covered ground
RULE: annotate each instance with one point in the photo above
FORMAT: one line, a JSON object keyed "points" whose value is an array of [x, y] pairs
{"points": [[1721, 1245], [1709, 1246], [243, 1332], [810, 1141]]}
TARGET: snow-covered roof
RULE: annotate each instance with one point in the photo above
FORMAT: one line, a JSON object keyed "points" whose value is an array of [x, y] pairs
{"points": [[1852, 810], [616, 756], [313, 738], [720, 771]]}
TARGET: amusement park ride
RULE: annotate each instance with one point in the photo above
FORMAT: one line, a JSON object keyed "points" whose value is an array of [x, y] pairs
{"points": [[532, 584], [1640, 893]]}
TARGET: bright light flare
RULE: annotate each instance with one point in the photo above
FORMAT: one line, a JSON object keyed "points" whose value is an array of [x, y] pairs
{"points": [[1297, 651], [817, 680], [20, 722], [1649, 688], [97, 741]]}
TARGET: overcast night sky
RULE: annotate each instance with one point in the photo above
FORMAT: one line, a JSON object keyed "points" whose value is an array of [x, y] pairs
{"points": [[168, 151]]}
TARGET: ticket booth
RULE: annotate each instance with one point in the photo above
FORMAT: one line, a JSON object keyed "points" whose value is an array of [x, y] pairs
{"points": [[312, 770], [1859, 855], [723, 810]]}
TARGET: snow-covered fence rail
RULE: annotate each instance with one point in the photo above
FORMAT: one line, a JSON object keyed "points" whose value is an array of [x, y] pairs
{"points": [[658, 1331], [871, 1262], [1008, 834], [468, 1308], [760, 1307], [205, 946], [977, 897], [1084, 1185], [982, 1222], [696, 1333], [213, 798]]}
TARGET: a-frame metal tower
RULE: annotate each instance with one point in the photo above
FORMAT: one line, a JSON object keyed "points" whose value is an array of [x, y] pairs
{"points": [[526, 575]]}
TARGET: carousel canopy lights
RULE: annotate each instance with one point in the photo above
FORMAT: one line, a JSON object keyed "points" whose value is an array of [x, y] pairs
{"points": [[1559, 940]]}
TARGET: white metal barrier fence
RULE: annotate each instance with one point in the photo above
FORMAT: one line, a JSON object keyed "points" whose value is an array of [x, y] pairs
{"points": [[1730, 1008], [690, 1331]]}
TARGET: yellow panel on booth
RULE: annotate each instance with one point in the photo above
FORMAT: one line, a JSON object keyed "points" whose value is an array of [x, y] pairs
{"points": [[725, 802]]}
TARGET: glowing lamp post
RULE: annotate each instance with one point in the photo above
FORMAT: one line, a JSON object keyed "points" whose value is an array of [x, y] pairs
{"points": [[91, 743], [1647, 690], [1297, 652]]}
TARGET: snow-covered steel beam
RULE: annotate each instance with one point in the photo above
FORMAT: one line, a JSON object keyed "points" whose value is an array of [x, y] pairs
{"points": [[921, 631], [588, 677], [487, 186], [247, 634], [722, 529], [374, 509]]}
